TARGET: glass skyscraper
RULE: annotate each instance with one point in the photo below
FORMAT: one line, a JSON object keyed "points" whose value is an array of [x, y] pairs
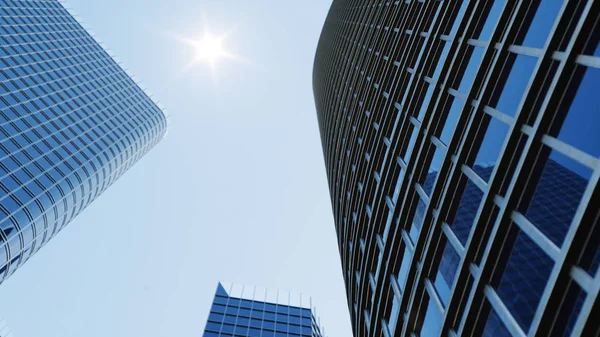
{"points": [[71, 123], [244, 311], [462, 151]]}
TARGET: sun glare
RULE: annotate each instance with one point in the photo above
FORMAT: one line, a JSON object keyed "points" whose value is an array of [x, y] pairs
{"points": [[209, 49]]}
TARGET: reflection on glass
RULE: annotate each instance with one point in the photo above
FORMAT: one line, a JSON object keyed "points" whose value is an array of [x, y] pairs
{"points": [[467, 210], [471, 69], [441, 60], [426, 101], [459, 17], [444, 278], [524, 278], [491, 20], [516, 84], [580, 127], [394, 315], [433, 321], [494, 327], [542, 22], [434, 168], [417, 222], [557, 197], [451, 120], [414, 132], [404, 268], [492, 143]]}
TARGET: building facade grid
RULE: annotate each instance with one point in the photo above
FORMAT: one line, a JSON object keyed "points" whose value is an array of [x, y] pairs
{"points": [[71, 122], [414, 98], [254, 312]]}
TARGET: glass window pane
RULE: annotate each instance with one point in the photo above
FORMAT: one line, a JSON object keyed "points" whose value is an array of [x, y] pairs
{"points": [[491, 20], [444, 278], [492, 144], [524, 278], [541, 25], [580, 127], [451, 120], [467, 210], [471, 69], [516, 83], [433, 321]]}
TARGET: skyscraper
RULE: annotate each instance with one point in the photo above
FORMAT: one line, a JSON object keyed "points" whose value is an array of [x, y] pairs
{"points": [[71, 123], [253, 312], [462, 153]]}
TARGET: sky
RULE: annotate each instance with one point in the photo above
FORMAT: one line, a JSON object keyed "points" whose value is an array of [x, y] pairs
{"points": [[236, 191]]}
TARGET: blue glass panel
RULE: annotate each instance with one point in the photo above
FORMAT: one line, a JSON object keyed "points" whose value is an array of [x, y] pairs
{"points": [[414, 132], [451, 120], [404, 268], [542, 23], [467, 208], [557, 197], [426, 101], [394, 315], [516, 84], [442, 60], [494, 326], [444, 278], [524, 279], [417, 223], [434, 169], [491, 20], [459, 17], [471, 69], [492, 143], [580, 127], [433, 321]]}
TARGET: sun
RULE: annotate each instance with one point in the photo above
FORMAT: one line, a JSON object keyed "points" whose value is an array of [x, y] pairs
{"points": [[209, 49]]}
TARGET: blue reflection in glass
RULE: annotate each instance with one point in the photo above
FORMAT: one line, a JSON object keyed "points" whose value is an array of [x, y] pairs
{"points": [[471, 70], [404, 267], [467, 209], [491, 20], [524, 279], [557, 197], [417, 222], [434, 169], [444, 278], [451, 120], [442, 59], [542, 23], [492, 143], [459, 17], [411, 142], [494, 326], [433, 321], [426, 101], [516, 84], [580, 127]]}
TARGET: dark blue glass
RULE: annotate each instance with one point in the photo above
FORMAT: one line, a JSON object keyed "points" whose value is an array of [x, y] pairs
{"points": [[516, 84], [542, 23], [492, 143]]}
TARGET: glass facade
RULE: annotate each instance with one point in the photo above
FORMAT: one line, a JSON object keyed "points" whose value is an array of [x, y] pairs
{"points": [[251, 312], [461, 145], [71, 123]]}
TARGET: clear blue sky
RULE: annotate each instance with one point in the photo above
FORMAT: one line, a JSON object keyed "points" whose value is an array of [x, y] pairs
{"points": [[237, 191]]}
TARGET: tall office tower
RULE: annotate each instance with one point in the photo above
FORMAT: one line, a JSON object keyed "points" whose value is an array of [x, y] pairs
{"points": [[4, 330], [462, 150], [254, 312], [71, 123]]}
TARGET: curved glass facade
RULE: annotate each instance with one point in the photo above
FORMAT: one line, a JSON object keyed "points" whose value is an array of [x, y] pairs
{"points": [[243, 311], [462, 151], [71, 123]]}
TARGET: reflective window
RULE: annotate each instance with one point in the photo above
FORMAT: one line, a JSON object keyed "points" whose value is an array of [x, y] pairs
{"points": [[513, 90], [451, 120], [444, 278], [542, 23], [580, 127], [557, 196], [490, 20], [492, 143], [434, 169], [524, 278], [404, 268], [467, 208], [433, 321], [494, 326], [471, 69]]}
